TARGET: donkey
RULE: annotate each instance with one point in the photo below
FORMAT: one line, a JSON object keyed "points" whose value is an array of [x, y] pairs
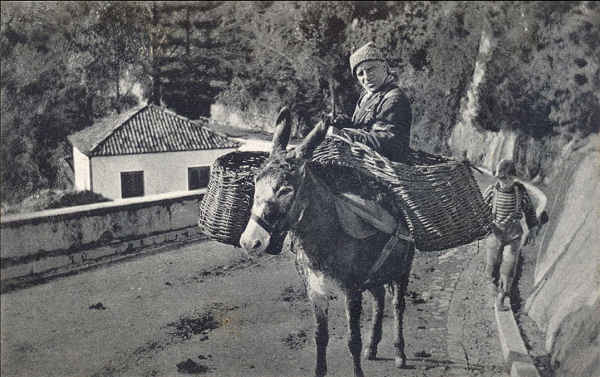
{"points": [[291, 198]]}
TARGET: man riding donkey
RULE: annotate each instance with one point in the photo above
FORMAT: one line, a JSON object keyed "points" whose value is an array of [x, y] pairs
{"points": [[383, 116], [382, 121], [340, 238]]}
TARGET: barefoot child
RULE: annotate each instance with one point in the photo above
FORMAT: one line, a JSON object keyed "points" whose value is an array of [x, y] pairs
{"points": [[509, 200]]}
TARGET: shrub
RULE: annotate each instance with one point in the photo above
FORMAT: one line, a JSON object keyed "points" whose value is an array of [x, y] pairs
{"points": [[76, 198], [51, 199]]}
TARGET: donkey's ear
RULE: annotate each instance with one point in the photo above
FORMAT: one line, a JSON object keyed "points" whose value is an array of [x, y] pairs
{"points": [[283, 129], [311, 141]]}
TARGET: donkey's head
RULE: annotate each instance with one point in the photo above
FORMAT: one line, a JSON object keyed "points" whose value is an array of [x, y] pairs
{"points": [[280, 195]]}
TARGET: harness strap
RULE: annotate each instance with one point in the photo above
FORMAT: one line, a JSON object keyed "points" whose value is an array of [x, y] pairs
{"points": [[262, 223], [295, 213], [518, 199], [390, 245], [494, 204]]}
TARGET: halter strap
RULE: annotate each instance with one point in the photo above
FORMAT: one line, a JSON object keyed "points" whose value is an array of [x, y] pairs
{"points": [[294, 211], [262, 223]]}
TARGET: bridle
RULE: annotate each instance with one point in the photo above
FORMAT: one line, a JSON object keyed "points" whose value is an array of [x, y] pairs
{"points": [[294, 215]]}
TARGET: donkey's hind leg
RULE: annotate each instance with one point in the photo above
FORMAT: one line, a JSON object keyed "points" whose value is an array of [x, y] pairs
{"points": [[377, 321]]}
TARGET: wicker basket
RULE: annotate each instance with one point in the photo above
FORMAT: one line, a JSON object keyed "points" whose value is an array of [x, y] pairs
{"points": [[225, 208], [439, 197]]}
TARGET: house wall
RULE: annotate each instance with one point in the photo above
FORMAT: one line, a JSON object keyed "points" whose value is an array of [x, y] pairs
{"points": [[163, 172], [81, 164]]}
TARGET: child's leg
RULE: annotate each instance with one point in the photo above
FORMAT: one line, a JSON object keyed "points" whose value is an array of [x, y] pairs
{"points": [[507, 268], [494, 250]]}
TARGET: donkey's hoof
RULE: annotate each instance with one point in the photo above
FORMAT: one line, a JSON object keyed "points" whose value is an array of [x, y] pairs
{"points": [[370, 354], [400, 362], [321, 372]]}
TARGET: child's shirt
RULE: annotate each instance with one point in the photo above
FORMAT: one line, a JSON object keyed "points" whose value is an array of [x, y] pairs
{"points": [[508, 205]]}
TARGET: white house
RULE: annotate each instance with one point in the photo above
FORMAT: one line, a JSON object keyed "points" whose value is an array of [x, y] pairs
{"points": [[144, 151]]}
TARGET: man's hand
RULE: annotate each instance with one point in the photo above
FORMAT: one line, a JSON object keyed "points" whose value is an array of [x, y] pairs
{"points": [[337, 120], [341, 120], [332, 131]]}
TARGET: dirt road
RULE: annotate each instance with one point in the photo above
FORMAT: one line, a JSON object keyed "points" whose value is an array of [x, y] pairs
{"points": [[206, 310]]}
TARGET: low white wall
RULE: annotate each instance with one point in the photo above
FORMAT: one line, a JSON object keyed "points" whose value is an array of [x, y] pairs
{"points": [[163, 172], [112, 227]]}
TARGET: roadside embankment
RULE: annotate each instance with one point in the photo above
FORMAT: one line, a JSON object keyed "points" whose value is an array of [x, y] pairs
{"points": [[51, 242], [566, 299]]}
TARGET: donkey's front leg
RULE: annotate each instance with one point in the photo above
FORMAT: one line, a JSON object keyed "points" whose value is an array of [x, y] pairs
{"points": [[353, 311], [320, 308], [399, 305], [377, 321]]}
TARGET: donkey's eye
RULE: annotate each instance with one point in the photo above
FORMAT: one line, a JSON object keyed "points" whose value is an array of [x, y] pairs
{"points": [[285, 190]]}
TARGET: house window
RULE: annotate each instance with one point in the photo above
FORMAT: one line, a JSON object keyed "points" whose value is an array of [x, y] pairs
{"points": [[132, 184], [198, 177]]}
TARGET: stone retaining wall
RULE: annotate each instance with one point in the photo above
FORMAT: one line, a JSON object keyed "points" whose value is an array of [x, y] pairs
{"points": [[57, 240]]}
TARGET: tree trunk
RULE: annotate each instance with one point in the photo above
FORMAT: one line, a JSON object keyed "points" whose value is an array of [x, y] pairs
{"points": [[155, 95], [117, 78]]}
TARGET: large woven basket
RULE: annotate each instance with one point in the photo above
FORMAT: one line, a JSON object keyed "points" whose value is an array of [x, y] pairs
{"points": [[438, 196], [225, 208]]}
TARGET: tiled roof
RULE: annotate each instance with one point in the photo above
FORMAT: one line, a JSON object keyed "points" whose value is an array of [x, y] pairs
{"points": [[147, 129]]}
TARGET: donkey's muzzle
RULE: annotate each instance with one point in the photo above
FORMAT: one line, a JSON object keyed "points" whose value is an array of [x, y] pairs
{"points": [[255, 238]]}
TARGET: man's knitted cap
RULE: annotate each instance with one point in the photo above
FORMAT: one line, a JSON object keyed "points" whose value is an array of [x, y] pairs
{"points": [[505, 167], [363, 54]]}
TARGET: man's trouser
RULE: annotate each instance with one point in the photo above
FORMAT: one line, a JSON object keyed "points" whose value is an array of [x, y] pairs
{"points": [[503, 247]]}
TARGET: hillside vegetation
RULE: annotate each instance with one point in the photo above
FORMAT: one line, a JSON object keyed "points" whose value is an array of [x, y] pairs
{"points": [[65, 65]]}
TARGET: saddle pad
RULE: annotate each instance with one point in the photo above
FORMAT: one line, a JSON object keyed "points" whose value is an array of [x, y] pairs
{"points": [[362, 218]]}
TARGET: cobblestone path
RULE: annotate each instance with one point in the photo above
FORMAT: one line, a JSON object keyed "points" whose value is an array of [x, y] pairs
{"points": [[455, 327]]}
